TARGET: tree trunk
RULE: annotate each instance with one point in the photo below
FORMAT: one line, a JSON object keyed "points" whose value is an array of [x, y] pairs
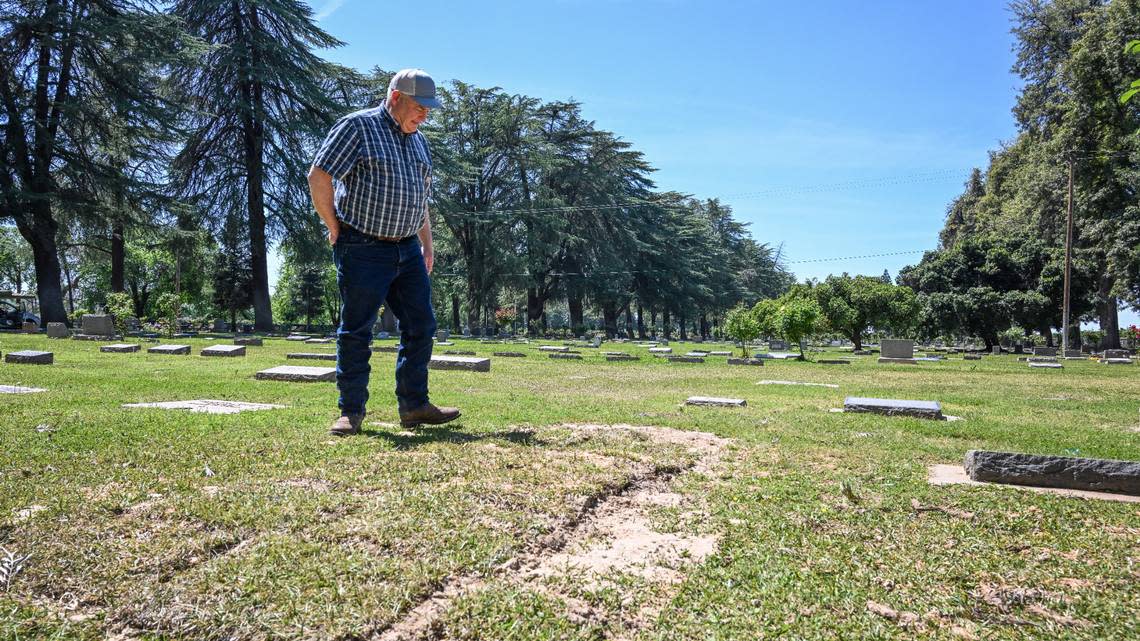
{"points": [[1108, 316], [610, 317], [388, 321], [628, 320], [666, 325], [653, 322], [640, 321], [535, 310], [1047, 333], [455, 323], [253, 139], [118, 257], [574, 302], [684, 332], [856, 338], [41, 238]]}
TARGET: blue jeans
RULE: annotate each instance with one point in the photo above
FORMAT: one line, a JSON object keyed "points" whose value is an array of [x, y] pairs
{"points": [[371, 272]]}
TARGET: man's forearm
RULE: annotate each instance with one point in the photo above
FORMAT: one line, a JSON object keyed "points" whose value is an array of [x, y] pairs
{"points": [[321, 191], [425, 233]]}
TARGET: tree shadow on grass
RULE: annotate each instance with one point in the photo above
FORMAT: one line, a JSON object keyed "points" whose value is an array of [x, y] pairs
{"points": [[426, 435]]}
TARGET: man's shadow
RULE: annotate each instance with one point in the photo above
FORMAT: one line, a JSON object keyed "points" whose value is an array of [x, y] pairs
{"points": [[419, 436]]}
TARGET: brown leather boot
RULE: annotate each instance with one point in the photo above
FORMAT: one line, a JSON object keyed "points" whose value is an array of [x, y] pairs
{"points": [[428, 415], [347, 425]]}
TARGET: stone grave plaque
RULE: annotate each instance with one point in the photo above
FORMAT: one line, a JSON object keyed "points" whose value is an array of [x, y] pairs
{"points": [[777, 345], [758, 362], [1047, 365], [553, 348], [252, 341], [16, 389], [1097, 475], [386, 348], [1073, 353], [208, 406], [623, 357], [712, 401], [444, 344], [296, 337], [58, 330], [697, 354], [1116, 353], [997, 350], [660, 350], [510, 354], [720, 353], [311, 356], [1044, 351], [894, 407], [30, 357], [972, 357], [468, 363], [442, 335], [780, 356], [295, 373], [224, 350], [98, 325], [1116, 361], [833, 361], [896, 350], [566, 356], [684, 359], [318, 341], [120, 348], [613, 353], [169, 349], [459, 352]]}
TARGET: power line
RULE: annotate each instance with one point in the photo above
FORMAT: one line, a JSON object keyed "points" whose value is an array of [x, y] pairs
{"points": [[839, 258]]}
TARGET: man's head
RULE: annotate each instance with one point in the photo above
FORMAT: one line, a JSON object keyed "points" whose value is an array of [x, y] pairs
{"points": [[411, 95]]}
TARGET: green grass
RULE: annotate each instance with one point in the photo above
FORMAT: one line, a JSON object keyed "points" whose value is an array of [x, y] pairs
{"points": [[298, 535]]}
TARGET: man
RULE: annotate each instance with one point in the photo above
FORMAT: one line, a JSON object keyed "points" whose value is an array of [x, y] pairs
{"points": [[379, 228]]}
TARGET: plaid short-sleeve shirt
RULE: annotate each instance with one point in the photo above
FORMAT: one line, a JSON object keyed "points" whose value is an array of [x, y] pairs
{"points": [[383, 175]]}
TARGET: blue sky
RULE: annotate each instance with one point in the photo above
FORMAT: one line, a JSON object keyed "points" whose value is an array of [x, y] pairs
{"points": [[836, 129]]}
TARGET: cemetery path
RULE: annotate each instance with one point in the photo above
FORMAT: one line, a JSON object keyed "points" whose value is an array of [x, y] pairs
{"points": [[612, 535]]}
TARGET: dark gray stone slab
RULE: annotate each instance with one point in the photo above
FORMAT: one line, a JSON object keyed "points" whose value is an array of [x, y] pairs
{"points": [[746, 361], [58, 330], [861, 352], [459, 352], [685, 359], [251, 341], [566, 356], [467, 363], [897, 348], [972, 357], [1098, 475], [623, 357], [120, 348], [297, 374], [510, 354], [389, 349], [1116, 353], [178, 350], [894, 407], [311, 357], [224, 350], [98, 325], [902, 361], [1044, 351], [833, 361], [713, 401], [29, 357]]}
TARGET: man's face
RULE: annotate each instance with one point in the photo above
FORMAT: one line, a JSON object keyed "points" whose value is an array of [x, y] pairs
{"points": [[409, 113]]}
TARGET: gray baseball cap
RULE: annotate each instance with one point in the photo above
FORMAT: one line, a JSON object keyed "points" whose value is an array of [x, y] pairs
{"points": [[417, 84]]}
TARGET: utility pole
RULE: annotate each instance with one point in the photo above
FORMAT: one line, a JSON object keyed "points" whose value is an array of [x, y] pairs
{"points": [[1068, 264]]}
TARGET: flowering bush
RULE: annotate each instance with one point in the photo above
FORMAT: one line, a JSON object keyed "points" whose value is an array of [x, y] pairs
{"points": [[505, 316], [1133, 332]]}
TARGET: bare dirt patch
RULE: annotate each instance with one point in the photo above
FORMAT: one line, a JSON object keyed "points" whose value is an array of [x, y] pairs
{"points": [[609, 541]]}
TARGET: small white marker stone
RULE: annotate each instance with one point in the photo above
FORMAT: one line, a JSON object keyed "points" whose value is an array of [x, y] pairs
{"points": [[712, 401]]}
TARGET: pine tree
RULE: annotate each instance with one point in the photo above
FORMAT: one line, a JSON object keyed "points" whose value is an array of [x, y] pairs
{"points": [[261, 101]]}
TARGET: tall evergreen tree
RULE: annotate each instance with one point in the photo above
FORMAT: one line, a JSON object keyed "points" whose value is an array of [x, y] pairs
{"points": [[65, 65], [260, 100]]}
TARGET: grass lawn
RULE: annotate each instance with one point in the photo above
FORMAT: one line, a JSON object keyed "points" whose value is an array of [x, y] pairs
{"points": [[573, 500]]}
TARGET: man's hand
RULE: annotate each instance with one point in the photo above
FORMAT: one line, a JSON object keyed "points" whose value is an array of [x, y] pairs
{"points": [[333, 233], [429, 258]]}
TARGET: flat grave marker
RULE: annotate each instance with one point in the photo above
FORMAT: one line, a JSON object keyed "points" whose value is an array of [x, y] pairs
{"points": [[894, 407], [1044, 351], [833, 361], [684, 359], [311, 356], [566, 356], [224, 350], [553, 348], [459, 352], [623, 357], [298, 374], [318, 341], [177, 350], [16, 389], [208, 406], [467, 363], [30, 357], [660, 350], [827, 385], [1116, 361], [1046, 365], [756, 362], [713, 401], [1095, 475], [780, 356], [510, 354], [120, 348], [720, 353], [251, 341]]}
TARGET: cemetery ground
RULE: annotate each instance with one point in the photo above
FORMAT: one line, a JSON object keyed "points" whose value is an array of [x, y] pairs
{"points": [[575, 499]]}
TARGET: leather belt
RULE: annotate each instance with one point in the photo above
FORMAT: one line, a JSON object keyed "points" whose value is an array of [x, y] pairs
{"points": [[387, 239]]}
